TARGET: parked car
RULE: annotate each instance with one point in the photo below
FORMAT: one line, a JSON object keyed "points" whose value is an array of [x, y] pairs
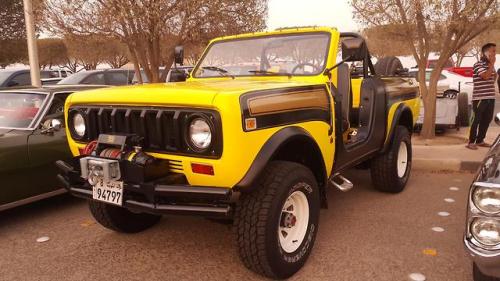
{"points": [[432, 63], [482, 230], [112, 77], [32, 138], [22, 78], [466, 71], [454, 99], [258, 144]]}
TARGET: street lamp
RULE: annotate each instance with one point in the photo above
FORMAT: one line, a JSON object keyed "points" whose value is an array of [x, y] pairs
{"points": [[32, 48]]}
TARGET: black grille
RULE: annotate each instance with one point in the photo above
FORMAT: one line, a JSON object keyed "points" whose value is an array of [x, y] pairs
{"points": [[162, 129]]}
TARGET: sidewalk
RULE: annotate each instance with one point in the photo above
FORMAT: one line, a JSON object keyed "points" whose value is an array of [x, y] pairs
{"points": [[448, 153]]}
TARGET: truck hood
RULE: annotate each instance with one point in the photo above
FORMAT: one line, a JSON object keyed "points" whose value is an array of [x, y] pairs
{"points": [[190, 93]]}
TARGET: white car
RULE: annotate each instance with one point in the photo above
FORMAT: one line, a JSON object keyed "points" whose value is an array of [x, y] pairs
{"points": [[454, 99]]}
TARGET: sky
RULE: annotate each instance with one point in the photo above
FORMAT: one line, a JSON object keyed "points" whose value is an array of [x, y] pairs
{"points": [[334, 13]]}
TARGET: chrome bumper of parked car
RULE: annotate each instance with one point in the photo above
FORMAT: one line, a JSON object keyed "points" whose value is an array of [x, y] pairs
{"points": [[167, 195], [487, 261]]}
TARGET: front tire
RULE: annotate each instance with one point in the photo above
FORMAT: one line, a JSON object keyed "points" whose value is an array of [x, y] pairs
{"points": [[479, 276], [120, 219], [390, 171], [276, 225]]}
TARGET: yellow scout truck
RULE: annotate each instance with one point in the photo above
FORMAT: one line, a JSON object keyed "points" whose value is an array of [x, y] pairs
{"points": [[263, 125]]}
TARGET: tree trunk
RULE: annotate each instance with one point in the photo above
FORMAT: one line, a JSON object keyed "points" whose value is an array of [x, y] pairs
{"points": [[137, 68], [429, 100]]}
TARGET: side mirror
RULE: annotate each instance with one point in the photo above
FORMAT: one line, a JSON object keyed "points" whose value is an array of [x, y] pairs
{"points": [[497, 118], [354, 49], [51, 125], [179, 55], [177, 75]]}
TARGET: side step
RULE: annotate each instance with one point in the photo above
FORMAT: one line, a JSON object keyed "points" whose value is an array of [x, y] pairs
{"points": [[341, 183]]}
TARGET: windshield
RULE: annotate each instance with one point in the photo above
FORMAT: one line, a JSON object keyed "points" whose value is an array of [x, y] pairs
{"points": [[18, 110], [303, 54], [4, 75], [74, 79]]}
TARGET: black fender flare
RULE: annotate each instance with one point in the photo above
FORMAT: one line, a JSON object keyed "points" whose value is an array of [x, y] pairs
{"points": [[268, 152], [401, 112]]}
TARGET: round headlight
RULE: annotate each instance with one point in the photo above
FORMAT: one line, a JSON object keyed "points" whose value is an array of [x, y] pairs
{"points": [[487, 199], [200, 134], [486, 231], [79, 125]]}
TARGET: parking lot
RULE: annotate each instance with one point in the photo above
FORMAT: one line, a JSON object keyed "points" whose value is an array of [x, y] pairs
{"points": [[364, 235]]}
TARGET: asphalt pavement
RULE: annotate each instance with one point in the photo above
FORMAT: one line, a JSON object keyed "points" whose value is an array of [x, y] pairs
{"points": [[364, 235]]}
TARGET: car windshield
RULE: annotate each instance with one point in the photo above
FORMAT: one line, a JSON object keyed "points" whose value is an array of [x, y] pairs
{"points": [[74, 79], [4, 75], [295, 54], [18, 110]]}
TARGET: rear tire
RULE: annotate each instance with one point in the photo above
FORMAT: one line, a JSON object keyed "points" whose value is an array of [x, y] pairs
{"points": [[479, 276], [120, 219], [388, 66], [276, 224], [463, 109], [390, 171]]}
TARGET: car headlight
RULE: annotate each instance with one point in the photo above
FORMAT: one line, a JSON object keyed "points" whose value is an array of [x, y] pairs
{"points": [[200, 134], [486, 231], [79, 125], [486, 197]]}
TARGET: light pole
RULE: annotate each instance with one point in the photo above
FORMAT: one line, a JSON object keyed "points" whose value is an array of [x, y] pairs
{"points": [[32, 48]]}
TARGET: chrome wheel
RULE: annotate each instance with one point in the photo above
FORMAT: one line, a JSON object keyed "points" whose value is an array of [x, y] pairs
{"points": [[294, 221]]}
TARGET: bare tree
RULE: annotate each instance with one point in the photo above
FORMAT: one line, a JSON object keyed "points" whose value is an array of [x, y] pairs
{"points": [[115, 53], [51, 51], [86, 50], [147, 27], [444, 26], [377, 38]]}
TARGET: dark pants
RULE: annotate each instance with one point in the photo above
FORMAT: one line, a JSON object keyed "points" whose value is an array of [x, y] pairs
{"points": [[481, 119]]}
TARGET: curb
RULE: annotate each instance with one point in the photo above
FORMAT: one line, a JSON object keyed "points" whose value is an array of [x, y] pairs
{"points": [[445, 165]]}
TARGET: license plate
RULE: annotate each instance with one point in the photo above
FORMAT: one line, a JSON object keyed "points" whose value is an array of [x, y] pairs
{"points": [[108, 191]]}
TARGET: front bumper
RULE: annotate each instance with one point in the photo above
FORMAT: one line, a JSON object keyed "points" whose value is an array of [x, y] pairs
{"points": [[487, 261], [169, 194]]}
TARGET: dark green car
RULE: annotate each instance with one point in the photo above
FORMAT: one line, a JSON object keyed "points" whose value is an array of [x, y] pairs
{"points": [[32, 138]]}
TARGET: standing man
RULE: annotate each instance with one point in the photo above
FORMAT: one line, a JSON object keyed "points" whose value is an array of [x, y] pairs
{"points": [[483, 96]]}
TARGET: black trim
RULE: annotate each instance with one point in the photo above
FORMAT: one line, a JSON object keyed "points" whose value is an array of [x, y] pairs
{"points": [[393, 98], [294, 116], [168, 195], [395, 121], [170, 138], [349, 155], [267, 152]]}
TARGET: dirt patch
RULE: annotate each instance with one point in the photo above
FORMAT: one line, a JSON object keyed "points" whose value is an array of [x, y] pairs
{"points": [[440, 140]]}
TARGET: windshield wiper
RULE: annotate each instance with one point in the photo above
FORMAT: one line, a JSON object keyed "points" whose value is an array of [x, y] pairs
{"points": [[221, 71], [270, 73]]}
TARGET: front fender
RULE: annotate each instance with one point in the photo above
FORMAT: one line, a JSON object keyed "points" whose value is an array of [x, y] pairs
{"points": [[270, 149]]}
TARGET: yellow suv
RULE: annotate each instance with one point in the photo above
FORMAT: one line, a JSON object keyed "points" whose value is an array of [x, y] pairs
{"points": [[263, 125]]}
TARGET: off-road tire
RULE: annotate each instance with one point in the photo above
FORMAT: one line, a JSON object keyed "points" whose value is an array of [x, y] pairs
{"points": [[463, 109], [479, 276], [120, 219], [388, 66], [384, 168], [258, 216]]}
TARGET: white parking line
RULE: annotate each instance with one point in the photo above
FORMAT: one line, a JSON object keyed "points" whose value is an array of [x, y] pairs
{"points": [[437, 229], [443, 214]]}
